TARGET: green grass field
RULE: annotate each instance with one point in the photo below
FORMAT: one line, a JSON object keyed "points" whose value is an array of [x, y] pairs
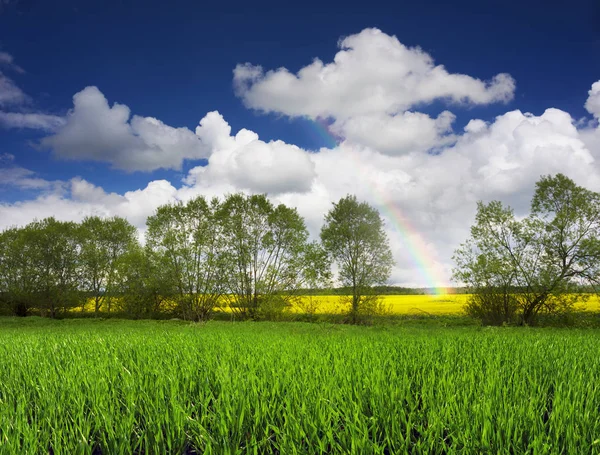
{"points": [[141, 387]]}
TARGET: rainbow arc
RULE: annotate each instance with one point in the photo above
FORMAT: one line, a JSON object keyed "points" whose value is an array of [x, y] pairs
{"points": [[409, 236]]}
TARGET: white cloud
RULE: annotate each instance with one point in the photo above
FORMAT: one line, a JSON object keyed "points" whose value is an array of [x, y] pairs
{"points": [[22, 178], [590, 135], [593, 102], [475, 126], [248, 163], [398, 134], [134, 205], [12, 175], [273, 167], [94, 130], [8, 61], [429, 199], [38, 121], [373, 73], [82, 199], [10, 94]]}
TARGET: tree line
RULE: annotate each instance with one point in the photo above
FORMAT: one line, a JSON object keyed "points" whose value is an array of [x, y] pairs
{"points": [[243, 253]]}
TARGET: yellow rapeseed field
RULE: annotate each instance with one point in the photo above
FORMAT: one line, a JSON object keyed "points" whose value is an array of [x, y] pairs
{"points": [[393, 304], [414, 304]]}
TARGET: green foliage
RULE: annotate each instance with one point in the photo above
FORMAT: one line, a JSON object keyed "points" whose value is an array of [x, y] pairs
{"points": [[103, 242], [17, 277], [267, 255], [486, 263], [518, 269], [353, 235], [83, 387], [49, 266], [244, 252], [187, 241], [145, 284], [39, 267]]}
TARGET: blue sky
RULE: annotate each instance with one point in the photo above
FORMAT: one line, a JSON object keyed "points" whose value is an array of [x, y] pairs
{"points": [[174, 62]]}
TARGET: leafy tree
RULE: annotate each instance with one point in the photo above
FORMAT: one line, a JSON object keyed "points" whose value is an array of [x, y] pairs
{"points": [[317, 279], [354, 236], [486, 264], [186, 240], [17, 277], [521, 268], [103, 241], [144, 284], [268, 255], [50, 266]]}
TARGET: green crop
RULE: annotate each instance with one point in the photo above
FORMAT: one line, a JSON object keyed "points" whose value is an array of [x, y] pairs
{"points": [[110, 387]]}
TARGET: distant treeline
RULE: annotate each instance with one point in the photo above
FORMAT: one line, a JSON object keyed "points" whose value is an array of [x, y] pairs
{"points": [[385, 290], [241, 252]]}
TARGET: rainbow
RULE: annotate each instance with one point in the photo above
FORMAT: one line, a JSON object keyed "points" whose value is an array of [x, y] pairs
{"points": [[410, 238]]}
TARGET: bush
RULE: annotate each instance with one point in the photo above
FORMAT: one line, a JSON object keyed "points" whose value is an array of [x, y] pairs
{"points": [[492, 307]]}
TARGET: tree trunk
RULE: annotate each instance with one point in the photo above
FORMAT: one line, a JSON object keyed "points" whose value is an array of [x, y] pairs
{"points": [[355, 305]]}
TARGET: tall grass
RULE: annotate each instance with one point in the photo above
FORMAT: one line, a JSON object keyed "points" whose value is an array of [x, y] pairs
{"points": [[83, 387]]}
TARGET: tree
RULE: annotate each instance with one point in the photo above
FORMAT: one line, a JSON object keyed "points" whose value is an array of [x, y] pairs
{"points": [[103, 241], [354, 236], [48, 266], [268, 255], [17, 277], [144, 283], [485, 263], [317, 276], [186, 239], [521, 268]]}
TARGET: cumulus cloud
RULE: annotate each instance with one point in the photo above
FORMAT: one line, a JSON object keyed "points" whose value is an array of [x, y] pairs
{"points": [[398, 134], [247, 162], [373, 73], [590, 131], [429, 200], [81, 198], [593, 102], [525, 146], [94, 130], [135, 205]]}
